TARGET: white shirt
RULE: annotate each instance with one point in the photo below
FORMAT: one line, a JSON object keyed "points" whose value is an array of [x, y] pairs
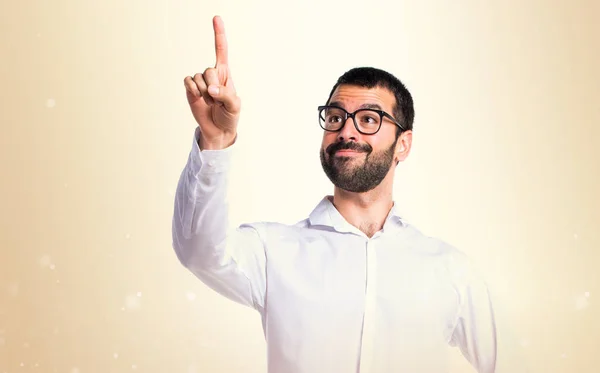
{"points": [[331, 299]]}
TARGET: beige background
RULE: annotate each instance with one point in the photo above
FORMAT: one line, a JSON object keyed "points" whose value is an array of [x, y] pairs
{"points": [[96, 129]]}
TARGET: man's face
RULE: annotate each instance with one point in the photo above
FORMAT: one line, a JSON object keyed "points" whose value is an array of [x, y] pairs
{"points": [[353, 161]]}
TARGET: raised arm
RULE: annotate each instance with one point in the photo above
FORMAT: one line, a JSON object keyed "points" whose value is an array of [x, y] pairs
{"points": [[230, 261]]}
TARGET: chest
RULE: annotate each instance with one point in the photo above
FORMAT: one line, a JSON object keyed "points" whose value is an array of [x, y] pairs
{"points": [[319, 277]]}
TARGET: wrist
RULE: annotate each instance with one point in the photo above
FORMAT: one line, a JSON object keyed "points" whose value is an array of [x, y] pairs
{"points": [[219, 142]]}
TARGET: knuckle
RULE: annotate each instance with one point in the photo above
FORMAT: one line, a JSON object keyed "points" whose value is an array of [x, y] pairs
{"points": [[209, 71]]}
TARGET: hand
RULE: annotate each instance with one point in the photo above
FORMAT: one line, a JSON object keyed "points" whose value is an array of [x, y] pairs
{"points": [[213, 99]]}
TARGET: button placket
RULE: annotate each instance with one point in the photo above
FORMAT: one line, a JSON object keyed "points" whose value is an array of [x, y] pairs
{"points": [[369, 325]]}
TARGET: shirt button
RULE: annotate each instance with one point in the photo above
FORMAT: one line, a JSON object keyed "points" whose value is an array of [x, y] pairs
{"points": [[211, 163]]}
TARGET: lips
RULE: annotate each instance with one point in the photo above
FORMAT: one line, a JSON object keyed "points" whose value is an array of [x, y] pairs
{"points": [[347, 151]]}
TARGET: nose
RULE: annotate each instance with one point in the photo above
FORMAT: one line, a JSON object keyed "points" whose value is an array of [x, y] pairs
{"points": [[348, 131]]}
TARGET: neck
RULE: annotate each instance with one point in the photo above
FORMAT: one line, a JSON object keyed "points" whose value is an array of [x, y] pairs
{"points": [[365, 211]]}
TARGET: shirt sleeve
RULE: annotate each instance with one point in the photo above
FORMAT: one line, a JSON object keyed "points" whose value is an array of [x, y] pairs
{"points": [[231, 261], [475, 327]]}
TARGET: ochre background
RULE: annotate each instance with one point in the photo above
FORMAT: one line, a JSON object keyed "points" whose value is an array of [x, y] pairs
{"points": [[96, 129]]}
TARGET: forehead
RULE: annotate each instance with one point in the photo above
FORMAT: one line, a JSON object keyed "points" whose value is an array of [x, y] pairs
{"points": [[351, 97]]}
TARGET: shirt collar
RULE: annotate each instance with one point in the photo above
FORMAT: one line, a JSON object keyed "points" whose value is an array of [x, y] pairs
{"points": [[326, 214]]}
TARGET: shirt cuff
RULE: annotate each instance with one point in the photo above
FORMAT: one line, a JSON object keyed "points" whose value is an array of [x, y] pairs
{"points": [[209, 161]]}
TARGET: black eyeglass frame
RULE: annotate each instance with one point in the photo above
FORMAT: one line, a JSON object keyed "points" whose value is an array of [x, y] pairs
{"points": [[382, 114]]}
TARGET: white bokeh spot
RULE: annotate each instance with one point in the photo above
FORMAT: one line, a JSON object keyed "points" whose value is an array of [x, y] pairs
{"points": [[190, 296], [45, 261], [50, 103], [132, 302], [581, 302]]}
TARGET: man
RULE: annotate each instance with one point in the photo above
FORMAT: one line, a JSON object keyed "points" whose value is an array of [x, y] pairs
{"points": [[353, 287]]}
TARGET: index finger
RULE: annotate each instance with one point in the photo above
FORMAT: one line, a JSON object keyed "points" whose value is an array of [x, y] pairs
{"points": [[220, 41]]}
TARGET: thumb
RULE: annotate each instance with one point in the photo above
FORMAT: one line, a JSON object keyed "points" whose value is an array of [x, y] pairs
{"points": [[226, 96]]}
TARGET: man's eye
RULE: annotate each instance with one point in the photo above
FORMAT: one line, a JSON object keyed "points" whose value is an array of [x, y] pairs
{"points": [[369, 119], [334, 119]]}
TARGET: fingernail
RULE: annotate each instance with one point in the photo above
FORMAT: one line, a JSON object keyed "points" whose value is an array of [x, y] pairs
{"points": [[213, 90]]}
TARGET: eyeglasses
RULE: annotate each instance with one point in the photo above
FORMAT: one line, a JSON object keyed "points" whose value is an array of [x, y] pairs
{"points": [[366, 121]]}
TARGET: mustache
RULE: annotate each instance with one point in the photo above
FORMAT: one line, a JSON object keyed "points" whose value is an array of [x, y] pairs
{"points": [[350, 145]]}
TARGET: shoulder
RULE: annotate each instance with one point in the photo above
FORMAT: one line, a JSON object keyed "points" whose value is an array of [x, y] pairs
{"points": [[427, 244], [454, 260], [268, 230], [304, 223]]}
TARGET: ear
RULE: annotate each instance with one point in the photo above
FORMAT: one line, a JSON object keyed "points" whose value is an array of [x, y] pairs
{"points": [[403, 146]]}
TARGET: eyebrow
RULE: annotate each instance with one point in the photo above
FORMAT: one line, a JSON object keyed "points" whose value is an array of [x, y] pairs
{"points": [[363, 106]]}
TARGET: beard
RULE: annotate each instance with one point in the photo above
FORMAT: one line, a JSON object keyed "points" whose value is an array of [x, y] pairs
{"points": [[353, 175]]}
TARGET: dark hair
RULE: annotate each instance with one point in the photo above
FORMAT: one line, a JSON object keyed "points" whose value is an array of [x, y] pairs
{"points": [[370, 77]]}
